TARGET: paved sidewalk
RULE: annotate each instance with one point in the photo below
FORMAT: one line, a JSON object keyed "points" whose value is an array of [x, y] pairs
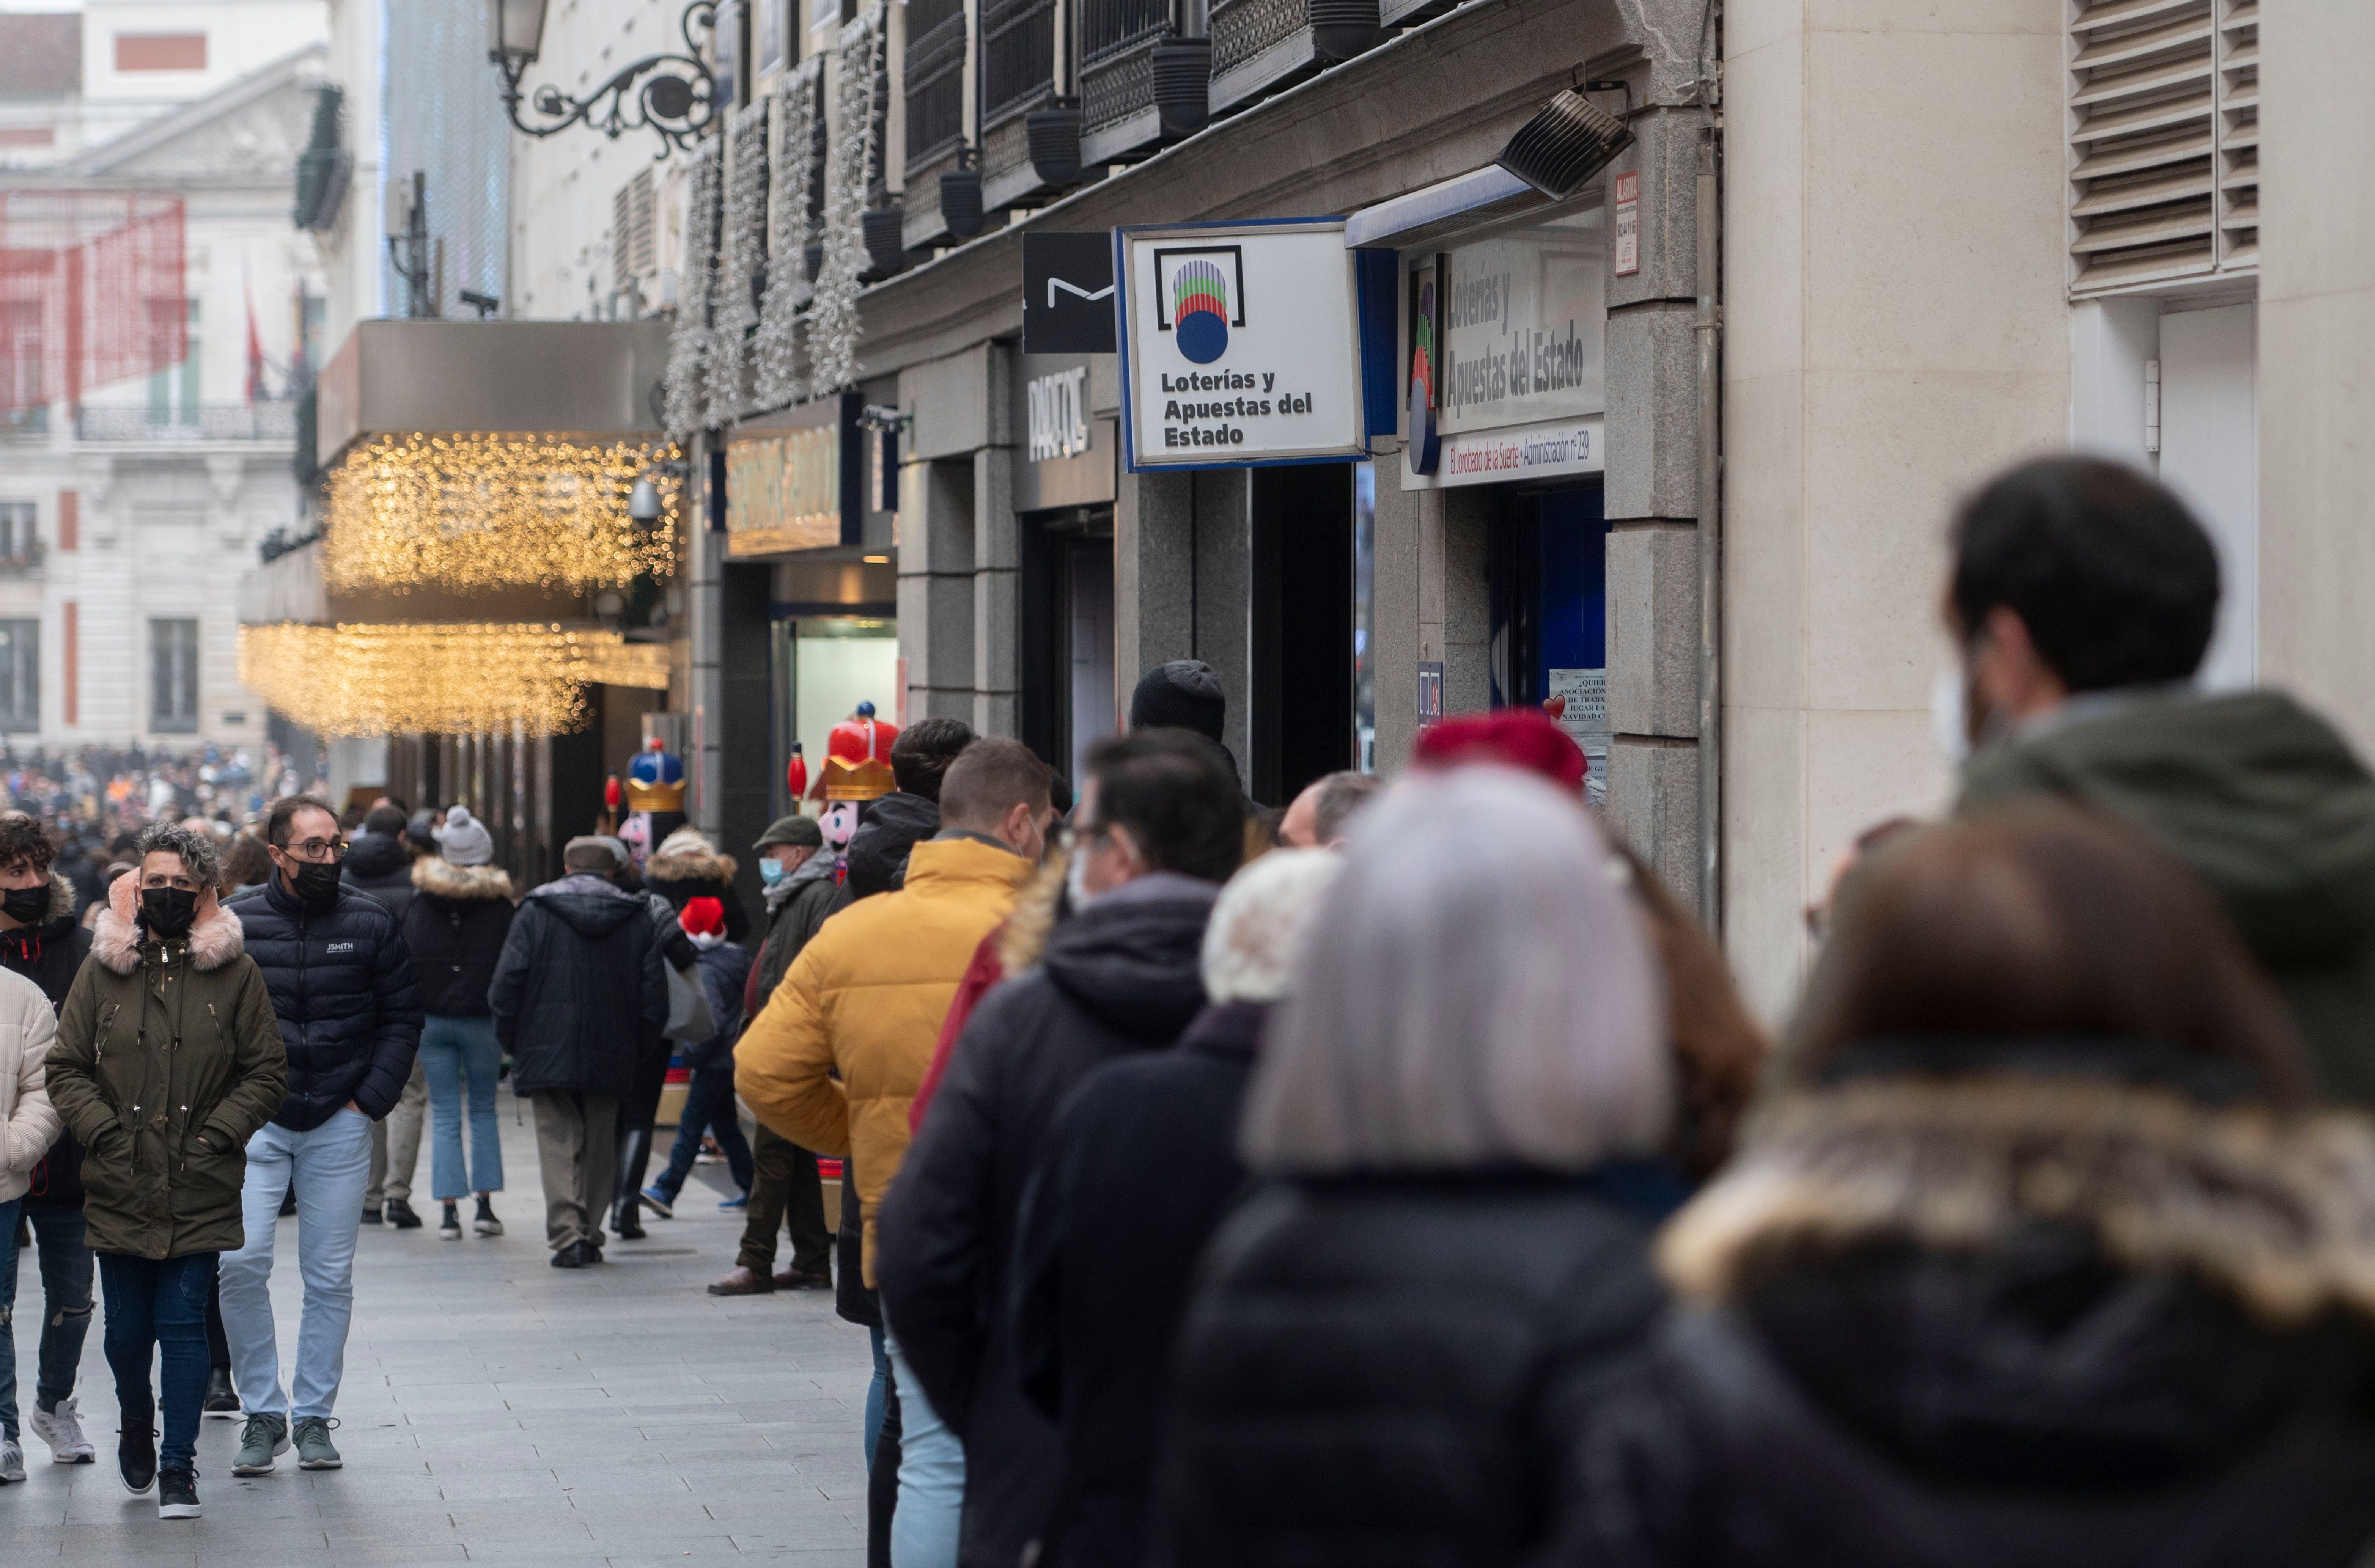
{"points": [[498, 1409]]}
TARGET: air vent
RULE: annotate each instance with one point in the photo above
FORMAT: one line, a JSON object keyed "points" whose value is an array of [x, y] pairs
{"points": [[2163, 130], [633, 250]]}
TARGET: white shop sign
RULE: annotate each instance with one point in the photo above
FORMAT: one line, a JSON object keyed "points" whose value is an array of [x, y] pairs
{"points": [[1058, 408], [1524, 452], [1240, 344]]}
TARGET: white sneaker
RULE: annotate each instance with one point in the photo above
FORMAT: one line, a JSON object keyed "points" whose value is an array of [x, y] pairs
{"points": [[12, 1460], [62, 1430]]}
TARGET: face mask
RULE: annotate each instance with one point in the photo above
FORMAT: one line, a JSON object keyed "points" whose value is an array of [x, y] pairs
{"points": [[168, 911], [771, 871], [26, 906], [1076, 879], [1949, 719], [317, 880]]}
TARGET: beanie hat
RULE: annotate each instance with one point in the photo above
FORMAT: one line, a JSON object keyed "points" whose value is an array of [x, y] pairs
{"points": [[1183, 694], [1510, 737], [464, 839], [703, 916]]}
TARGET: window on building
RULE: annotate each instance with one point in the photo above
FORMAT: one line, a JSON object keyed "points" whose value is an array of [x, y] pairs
{"points": [[17, 547], [161, 52], [173, 675], [20, 675]]}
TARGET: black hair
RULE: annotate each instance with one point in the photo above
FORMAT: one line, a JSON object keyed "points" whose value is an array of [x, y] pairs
{"points": [[920, 757], [387, 820], [284, 811], [1178, 797], [2116, 581], [21, 839]]}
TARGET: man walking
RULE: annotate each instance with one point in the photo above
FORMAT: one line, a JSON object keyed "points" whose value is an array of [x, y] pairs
{"points": [[578, 996], [341, 985]]}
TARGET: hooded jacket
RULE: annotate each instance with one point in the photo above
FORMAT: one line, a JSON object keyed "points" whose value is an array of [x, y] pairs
{"points": [[455, 927], [27, 1123], [1139, 1170], [894, 825], [1120, 977], [1951, 1317], [51, 955], [864, 1000], [342, 985], [2264, 801], [678, 878], [169, 1057], [378, 864], [579, 993]]}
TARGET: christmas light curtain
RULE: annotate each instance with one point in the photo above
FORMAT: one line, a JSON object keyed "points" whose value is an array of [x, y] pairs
{"points": [[741, 262], [780, 350], [689, 344]]}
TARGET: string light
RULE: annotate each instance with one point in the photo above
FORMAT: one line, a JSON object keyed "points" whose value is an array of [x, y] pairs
{"points": [[780, 351], [425, 678], [742, 256], [474, 511], [834, 324], [689, 341]]}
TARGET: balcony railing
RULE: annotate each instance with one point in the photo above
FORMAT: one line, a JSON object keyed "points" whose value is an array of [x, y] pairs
{"points": [[207, 422], [23, 558]]}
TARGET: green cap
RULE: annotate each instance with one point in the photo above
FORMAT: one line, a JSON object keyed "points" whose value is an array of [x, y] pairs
{"points": [[799, 832]]}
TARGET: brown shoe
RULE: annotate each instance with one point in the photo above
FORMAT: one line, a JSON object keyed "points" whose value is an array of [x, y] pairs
{"points": [[743, 1282], [800, 1279]]}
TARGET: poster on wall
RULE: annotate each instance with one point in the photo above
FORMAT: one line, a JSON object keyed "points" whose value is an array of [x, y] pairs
{"points": [[1425, 448], [1577, 700], [1240, 344]]}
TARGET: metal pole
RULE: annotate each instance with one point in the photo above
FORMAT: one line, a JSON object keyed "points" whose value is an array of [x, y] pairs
{"points": [[1709, 327]]}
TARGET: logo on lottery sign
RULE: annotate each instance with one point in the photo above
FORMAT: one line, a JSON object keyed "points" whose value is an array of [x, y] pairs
{"points": [[1199, 295]]}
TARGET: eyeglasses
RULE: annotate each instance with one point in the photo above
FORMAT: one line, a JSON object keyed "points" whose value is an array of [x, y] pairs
{"points": [[1075, 835], [318, 850]]}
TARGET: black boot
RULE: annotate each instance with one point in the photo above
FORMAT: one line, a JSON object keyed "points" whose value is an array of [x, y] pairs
{"points": [[222, 1399], [135, 1453], [626, 1220]]}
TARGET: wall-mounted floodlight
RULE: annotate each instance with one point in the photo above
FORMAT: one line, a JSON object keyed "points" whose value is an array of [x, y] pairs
{"points": [[1571, 139]]}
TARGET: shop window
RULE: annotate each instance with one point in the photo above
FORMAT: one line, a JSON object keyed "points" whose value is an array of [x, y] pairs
{"points": [[20, 675], [173, 676], [19, 546], [1068, 698], [822, 666]]}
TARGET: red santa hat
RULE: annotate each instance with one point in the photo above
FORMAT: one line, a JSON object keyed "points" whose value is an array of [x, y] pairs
{"points": [[1512, 737], [703, 916]]}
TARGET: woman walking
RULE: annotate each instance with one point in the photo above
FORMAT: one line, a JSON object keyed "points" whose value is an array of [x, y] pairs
{"points": [[168, 1059], [456, 928]]}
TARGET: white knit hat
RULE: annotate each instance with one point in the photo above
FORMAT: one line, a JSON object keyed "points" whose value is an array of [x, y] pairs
{"points": [[465, 839]]}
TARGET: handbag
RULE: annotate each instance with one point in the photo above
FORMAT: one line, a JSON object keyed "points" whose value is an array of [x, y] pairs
{"points": [[690, 1019]]}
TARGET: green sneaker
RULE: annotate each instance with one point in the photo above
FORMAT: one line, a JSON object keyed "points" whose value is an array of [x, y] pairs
{"points": [[314, 1450], [259, 1440]]}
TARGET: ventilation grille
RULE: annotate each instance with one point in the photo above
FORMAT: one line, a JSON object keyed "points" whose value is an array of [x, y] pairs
{"points": [[635, 253], [2164, 128]]}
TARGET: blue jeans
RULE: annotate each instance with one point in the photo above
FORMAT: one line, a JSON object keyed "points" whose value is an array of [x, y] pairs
{"points": [[65, 1304], [708, 1106], [874, 1395], [931, 1478], [331, 1165], [455, 1051], [157, 1307]]}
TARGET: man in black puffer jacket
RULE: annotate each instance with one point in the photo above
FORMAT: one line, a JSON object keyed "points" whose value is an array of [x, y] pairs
{"points": [[579, 995], [1157, 831], [900, 820], [341, 984]]}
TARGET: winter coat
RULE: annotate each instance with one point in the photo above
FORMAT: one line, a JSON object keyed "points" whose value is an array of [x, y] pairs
{"points": [[1139, 1170], [1938, 1315], [1390, 1371], [2264, 801], [678, 878], [894, 825], [1120, 977], [1015, 947], [378, 864], [865, 1000], [454, 927], [27, 1123], [342, 985], [579, 993], [51, 955], [723, 967], [169, 1058], [86, 877], [797, 907]]}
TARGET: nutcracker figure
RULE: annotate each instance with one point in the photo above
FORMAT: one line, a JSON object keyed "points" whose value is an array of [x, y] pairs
{"points": [[655, 799]]}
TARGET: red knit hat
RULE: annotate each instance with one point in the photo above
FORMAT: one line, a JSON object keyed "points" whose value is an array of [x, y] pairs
{"points": [[1513, 737], [703, 916]]}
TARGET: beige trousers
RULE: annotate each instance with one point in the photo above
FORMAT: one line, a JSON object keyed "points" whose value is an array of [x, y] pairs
{"points": [[577, 1154], [396, 1143]]}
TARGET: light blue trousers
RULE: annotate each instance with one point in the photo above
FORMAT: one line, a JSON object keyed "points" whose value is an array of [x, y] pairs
{"points": [[931, 1478], [455, 1051], [331, 1166]]}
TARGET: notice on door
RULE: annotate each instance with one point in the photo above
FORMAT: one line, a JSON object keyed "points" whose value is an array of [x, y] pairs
{"points": [[1577, 698]]}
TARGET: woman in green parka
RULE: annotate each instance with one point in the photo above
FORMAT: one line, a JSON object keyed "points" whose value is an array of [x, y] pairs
{"points": [[168, 1059]]}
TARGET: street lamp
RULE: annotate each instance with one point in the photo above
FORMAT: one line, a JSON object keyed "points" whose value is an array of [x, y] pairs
{"points": [[676, 103]]}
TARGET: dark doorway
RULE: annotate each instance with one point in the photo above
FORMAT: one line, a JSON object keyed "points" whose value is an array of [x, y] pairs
{"points": [[1302, 624], [1068, 699]]}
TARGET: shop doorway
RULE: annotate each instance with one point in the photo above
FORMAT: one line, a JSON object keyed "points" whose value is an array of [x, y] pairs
{"points": [[1550, 611], [821, 667], [1305, 664], [1068, 698]]}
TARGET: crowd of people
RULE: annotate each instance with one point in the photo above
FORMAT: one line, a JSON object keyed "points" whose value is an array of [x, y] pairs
{"points": [[1395, 1178]]}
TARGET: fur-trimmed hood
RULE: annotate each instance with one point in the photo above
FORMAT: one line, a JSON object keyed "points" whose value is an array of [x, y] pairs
{"points": [[442, 879], [2276, 1212], [1022, 940], [215, 941], [62, 901], [701, 866]]}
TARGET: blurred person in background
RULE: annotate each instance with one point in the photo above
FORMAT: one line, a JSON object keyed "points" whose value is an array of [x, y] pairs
{"points": [[1158, 829], [895, 823], [687, 866], [709, 1099], [1139, 1168], [455, 926], [1319, 816], [1458, 1117], [2035, 1256], [2082, 597], [638, 1111], [247, 862], [380, 864], [42, 940]]}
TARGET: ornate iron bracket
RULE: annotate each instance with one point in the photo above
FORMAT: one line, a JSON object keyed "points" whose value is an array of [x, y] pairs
{"points": [[676, 105]]}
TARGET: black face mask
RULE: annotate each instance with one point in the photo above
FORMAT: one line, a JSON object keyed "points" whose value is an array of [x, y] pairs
{"points": [[168, 911], [26, 906], [317, 881]]}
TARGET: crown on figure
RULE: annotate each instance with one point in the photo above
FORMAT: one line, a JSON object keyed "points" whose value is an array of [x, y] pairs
{"points": [[868, 780], [656, 779]]}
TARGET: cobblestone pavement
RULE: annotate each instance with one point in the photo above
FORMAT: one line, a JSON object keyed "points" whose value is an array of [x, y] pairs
{"points": [[498, 1409]]}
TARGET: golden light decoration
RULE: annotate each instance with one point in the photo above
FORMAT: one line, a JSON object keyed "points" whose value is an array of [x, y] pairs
{"points": [[439, 680], [476, 512]]}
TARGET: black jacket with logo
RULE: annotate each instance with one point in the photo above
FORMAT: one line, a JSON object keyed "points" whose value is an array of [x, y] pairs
{"points": [[341, 981]]}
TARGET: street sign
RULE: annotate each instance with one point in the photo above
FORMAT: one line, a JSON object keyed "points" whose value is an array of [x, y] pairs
{"points": [[1068, 288]]}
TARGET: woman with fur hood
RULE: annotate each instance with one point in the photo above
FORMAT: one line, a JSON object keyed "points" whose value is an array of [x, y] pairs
{"points": [[688, 865], [460, 914], [167, 1060], [2037, 1258]]}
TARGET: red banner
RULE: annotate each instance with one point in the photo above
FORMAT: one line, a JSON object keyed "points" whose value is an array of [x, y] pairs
{"points": [[91, 292]]}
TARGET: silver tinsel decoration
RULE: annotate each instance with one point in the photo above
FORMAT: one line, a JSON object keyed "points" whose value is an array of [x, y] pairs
{"points": [[832, 320], [688, 387], [741, 251], [780, 351]]}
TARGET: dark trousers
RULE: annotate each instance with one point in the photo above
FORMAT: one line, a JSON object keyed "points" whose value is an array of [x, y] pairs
{"points": [[217, 1342], [157, 1307], [786, 1191], [882, 1481], [65, 1264], [708, 1104], [638, 1114]]}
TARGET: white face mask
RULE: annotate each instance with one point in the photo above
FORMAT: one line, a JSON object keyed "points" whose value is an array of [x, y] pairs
{"points": [[1949, 717], [1076, 885]]}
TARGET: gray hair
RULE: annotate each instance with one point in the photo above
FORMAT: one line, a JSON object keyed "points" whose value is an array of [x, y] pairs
{"points": [[1340, 794], [1477, 992], [1262, 923], [199, 856]]}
